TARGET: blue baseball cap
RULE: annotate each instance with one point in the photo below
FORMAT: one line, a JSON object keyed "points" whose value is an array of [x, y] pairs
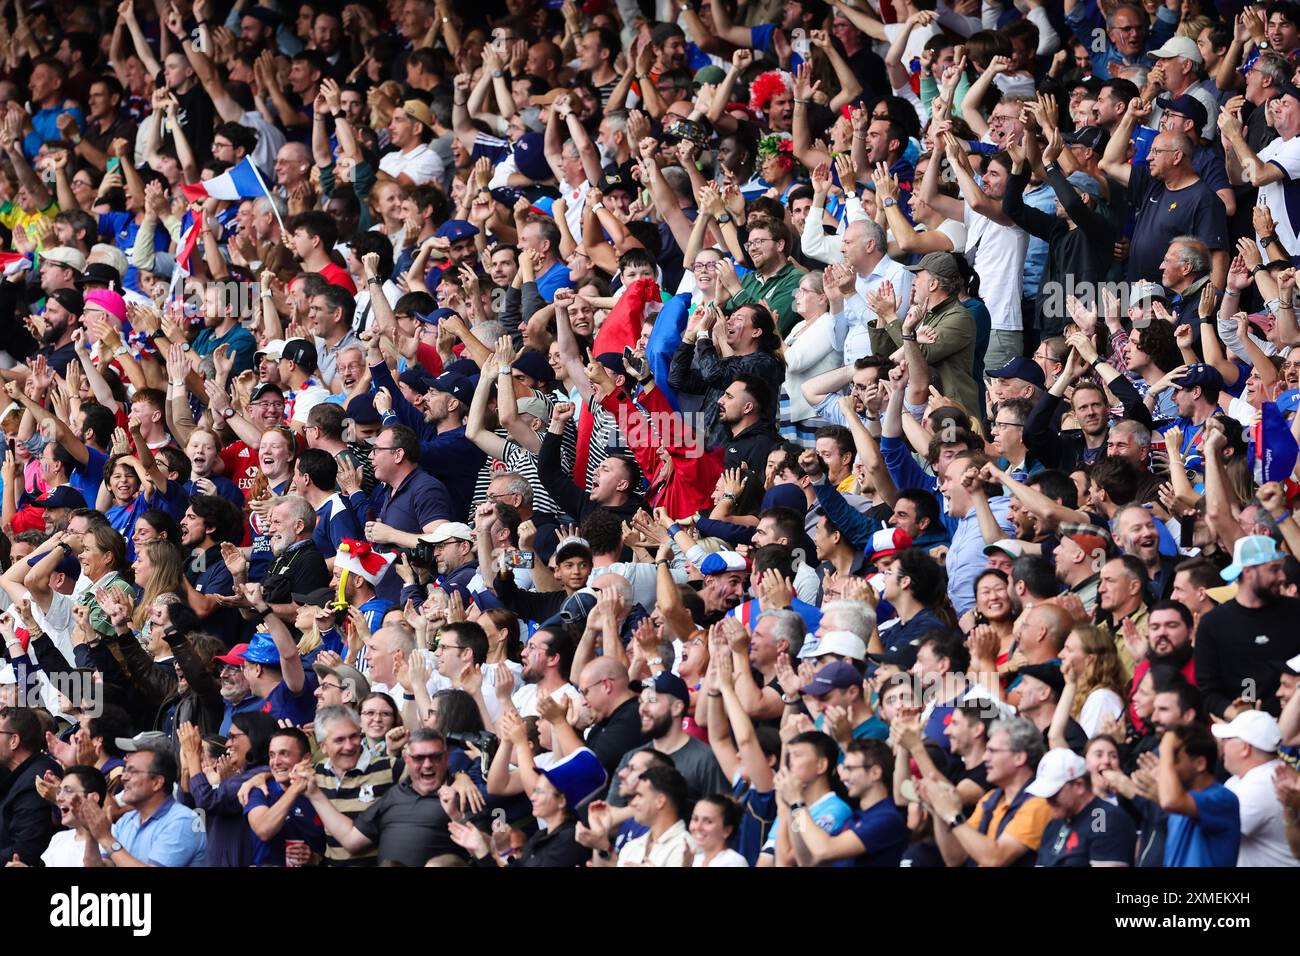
{"points": [[454, 230], [362, 410], [65, 496], [836, 675], [530, 157], [1021, 368], [1250, 552], [534, 365], [416, 379], [262, 650], [666, 682], [434, 317], [1200, 374], [457, 386]]}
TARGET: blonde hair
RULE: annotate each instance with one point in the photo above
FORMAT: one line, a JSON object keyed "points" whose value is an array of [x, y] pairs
{"points": [[167, 578], [1102, 671]]}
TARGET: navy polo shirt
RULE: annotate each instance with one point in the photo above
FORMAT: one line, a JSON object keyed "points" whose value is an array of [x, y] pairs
{"points": [[209, 575], [418, 500], [1099, 833], [334, 522], [302, 823], [298, 709]]}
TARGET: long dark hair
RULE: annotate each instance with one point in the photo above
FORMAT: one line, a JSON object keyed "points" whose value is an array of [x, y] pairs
{"points": [[765, 322], [457, 713], [260, 728]]}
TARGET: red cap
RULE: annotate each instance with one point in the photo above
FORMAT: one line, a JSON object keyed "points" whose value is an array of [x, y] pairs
{"points": [[235, 657]]}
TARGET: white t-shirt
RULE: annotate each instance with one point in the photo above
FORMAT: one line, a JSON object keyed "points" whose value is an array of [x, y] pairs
{"points": [[575, 200], [525, 698], [997, 253], [1282, 198], [725, 858], [1263, 830], [421, 164], [1102, 705], [65, 850]]}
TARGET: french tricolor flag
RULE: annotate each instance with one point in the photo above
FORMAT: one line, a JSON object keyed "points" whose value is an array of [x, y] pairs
{"points": [[241, 181]]}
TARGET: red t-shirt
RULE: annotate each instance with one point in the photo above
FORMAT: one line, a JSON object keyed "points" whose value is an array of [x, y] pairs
{"points": [[337, 275], [241, 465]]}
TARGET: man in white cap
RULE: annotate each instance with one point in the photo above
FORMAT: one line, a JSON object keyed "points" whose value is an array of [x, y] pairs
{"points": [[1176, 73], [1249, 743], [61, 267], [1242, 643], [453, 549], [1085, 830]]}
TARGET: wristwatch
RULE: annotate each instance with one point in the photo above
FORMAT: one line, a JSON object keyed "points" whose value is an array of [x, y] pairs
{"points": [[725, 217], [655, 662], [797, 806], [114, 847], [957, 820], [603, 854], [229, 412], [889, 202]]}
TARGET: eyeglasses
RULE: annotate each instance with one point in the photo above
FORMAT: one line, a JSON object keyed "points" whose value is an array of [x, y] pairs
{"points": [[331, 686], [378, 713], [374, 448], [133, 772], [69, 792], [426, 758], [710, 266], [1152, 152], [1136, 28], [449, 647], [234, 734], [9, 733], [996, 425], [1000, 750], [757, 241], [584, 691], [279, 405]]}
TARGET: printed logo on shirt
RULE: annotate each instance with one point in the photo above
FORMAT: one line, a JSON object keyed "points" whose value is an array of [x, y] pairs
{"points": [[367, 793]]}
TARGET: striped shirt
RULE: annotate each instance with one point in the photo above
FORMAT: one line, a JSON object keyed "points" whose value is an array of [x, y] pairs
{"points": [[517, 459], [355, 792]]}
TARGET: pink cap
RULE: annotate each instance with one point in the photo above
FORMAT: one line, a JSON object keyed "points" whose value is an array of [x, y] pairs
{"points": [[108, 300]]}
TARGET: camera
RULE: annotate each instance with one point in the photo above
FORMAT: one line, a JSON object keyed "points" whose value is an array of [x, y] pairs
{"points": [[421, 555], [482, 740]]}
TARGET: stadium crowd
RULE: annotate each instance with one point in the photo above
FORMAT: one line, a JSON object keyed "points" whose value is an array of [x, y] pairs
{"points": [[650, 433]]}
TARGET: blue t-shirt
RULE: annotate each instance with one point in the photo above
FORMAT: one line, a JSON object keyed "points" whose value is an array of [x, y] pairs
{"points": [[1213, 837], [334, 522], [1100, 833], [883, 832], [302, 823], [830, 813], [298, 709], [757, 814], [88, 477]]}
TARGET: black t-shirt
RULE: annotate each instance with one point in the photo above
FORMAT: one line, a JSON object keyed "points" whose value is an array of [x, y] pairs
{"points": [[618, 733], [1100, 833], [197, 116], [1164, 214], [409, 828], [1241, 651], [299, 570]]}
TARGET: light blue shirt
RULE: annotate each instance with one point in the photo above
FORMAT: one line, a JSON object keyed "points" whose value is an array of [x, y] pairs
{"points": [[851, 334], [966, 557], [1044, 200], [174, 836], [830, 813]]}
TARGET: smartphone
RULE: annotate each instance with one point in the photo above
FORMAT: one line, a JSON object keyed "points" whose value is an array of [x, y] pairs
{"points": [[114, 165], [637, 367], [513, 558]]}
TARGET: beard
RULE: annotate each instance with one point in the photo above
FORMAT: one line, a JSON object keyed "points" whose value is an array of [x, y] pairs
{"points": [[533, 673], [1178, 657], [660, 728], [280, 541], [54, 331]]}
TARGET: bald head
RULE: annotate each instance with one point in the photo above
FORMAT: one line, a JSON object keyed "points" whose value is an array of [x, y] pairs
{"points": [[1055, 622], [603, 684]]}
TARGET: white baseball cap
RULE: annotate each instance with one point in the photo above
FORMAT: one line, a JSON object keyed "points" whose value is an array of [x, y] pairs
{"points": [[1257, 728], [844, 643], [1057, 768]]}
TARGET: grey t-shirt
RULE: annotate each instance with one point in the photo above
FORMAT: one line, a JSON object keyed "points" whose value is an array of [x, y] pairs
{"points": [[696, 763]]}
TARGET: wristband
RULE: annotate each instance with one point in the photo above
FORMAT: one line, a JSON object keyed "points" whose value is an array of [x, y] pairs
{"points": [[715, 693], [372, 280], [909, 338], [655, 662], [408, 697], [788, 702], [1231, 293], [674, 529], [1267, 240], [797, 806]]}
